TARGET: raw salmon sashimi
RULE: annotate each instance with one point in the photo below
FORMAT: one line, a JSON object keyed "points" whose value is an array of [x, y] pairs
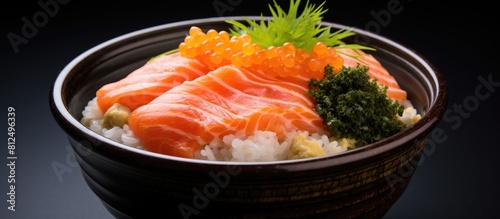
{"points": [[225, 101], [376, 70], [151, 80]]}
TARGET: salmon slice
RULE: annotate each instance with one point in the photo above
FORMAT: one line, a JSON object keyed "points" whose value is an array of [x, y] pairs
{"points": [[225, 101], [376, 70], [165, 72], [151, 80]]}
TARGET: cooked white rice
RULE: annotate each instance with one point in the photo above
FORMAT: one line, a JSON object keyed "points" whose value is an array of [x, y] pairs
{"points": [[94, 117], [262, 146]]}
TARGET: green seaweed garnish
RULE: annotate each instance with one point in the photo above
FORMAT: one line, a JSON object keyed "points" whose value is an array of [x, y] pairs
{"points": [[354, 106]]}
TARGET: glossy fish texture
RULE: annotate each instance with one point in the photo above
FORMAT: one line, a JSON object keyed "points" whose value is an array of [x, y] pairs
{"points": [[150, 81], [225, 101]]}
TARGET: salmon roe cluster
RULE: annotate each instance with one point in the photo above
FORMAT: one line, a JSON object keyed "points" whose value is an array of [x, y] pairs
{"points": [[216, 49]]}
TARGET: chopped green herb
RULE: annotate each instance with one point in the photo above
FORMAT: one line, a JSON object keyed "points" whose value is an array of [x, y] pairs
{"points": [[354, 106]]}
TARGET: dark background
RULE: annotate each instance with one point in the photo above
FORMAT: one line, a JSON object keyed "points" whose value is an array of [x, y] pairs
{"points": [[457, 179]]}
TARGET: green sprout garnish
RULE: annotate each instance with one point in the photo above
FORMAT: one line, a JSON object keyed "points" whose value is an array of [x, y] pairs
{"points": [[302, 30]]}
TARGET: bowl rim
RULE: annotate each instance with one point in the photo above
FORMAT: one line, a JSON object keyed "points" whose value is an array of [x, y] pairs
{"points": [[430, 119]]}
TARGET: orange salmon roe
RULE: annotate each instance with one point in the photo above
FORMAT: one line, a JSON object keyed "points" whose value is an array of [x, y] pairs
{"points": [[216, 49]]}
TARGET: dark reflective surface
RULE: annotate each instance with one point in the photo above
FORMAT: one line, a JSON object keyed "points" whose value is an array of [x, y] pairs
{"points": [[456, 178]]}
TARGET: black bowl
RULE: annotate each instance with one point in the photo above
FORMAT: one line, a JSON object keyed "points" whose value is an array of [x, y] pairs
{"points": [[133, 183]]}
